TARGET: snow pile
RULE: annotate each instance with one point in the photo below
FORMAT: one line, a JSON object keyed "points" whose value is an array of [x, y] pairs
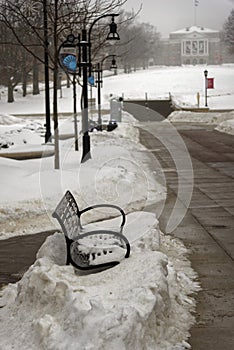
{"points": [[198, 117], [16, 134], [226, 126], [6, 119], [54, 307]]}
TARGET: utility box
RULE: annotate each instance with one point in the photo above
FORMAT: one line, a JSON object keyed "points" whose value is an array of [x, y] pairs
{"points": [[116, 107]]}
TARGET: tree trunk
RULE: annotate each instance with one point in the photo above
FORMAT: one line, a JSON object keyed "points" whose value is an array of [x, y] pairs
{"points": [[24, 75], [10, 92], [36, 90], [24, 82]]}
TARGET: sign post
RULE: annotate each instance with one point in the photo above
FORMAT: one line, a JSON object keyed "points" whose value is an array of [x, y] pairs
{"points": [[69, 56], [69, 59]]}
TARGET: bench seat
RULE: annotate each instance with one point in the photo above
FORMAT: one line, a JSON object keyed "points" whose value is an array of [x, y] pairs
{"points": [[90, 249]]}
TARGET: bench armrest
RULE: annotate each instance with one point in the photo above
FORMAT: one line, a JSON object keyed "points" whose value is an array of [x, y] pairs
{"points": [[107, 206]]}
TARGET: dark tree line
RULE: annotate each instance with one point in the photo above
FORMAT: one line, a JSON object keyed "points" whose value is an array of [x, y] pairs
{"points": [[22, 40], [228, 32], [22, 34], [139, 43]]}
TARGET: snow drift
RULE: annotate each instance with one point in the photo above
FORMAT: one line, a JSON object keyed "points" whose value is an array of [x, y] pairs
{"points": [[145, 302]]}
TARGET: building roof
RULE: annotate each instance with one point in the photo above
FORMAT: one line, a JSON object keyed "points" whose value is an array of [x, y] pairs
{"points": [[194, 29]]}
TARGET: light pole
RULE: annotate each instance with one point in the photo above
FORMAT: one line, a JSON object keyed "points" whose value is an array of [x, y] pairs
{"points": [[73, 62], [99, 82], [75, 113], [46, 72], [68, 60], [206, 74], [86, 63]]}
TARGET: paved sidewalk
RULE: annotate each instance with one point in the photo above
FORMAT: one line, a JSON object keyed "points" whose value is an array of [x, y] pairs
{"points": [[17, 254], [207, 229]]}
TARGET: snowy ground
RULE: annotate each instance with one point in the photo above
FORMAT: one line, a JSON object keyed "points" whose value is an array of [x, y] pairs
{"points": [[53, 307], [120, 176], [183, 83]]}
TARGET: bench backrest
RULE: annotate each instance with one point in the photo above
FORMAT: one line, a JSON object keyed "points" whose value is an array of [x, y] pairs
{"points": [[68, 215]]}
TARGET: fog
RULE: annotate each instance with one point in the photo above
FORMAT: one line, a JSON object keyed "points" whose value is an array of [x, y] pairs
{"points": [[171, 15]]}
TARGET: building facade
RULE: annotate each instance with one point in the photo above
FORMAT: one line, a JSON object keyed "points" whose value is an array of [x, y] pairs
{"points": [[191, 46]]}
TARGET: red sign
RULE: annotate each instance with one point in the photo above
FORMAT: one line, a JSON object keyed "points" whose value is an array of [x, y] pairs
{"points": [[210, 83]]}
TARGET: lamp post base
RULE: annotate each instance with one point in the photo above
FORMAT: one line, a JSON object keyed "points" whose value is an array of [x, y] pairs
{"points": [[86, 148], [48, 136]]}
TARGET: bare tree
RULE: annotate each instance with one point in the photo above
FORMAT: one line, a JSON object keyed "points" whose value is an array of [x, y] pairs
{"points": [[64, 17], [139, 42], [12, 60]]}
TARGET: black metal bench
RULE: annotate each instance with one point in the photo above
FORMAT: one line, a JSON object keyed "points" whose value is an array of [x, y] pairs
{"points": [[93, 249]]}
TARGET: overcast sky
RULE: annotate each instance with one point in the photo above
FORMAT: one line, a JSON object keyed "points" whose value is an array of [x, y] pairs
{"points": [[171, 15]]}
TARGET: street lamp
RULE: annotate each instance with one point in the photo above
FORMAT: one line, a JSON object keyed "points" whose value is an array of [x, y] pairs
{"points": [[69, 59], [86, 62], [46, 72], [99, 82], [113, 35], [73, 61], [206, 74]]}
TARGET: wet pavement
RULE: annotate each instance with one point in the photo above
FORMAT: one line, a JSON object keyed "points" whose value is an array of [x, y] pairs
{"points": [[207, 228], [17, 254]]}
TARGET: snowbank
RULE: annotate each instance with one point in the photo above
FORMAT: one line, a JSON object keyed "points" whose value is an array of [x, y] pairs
{"points": [[226, 126], [145, 302], [210, 118], [17, 134], [6, 119]]}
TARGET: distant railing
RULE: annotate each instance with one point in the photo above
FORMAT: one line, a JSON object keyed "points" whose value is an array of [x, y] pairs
{"points": [[162, 106]]}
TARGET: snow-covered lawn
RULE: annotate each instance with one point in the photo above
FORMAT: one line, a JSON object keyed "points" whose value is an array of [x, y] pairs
{"points": [[183, 83], [147, 301]]}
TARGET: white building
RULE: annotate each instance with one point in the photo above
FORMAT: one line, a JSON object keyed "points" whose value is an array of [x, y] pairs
{"points": [[193, 45]]}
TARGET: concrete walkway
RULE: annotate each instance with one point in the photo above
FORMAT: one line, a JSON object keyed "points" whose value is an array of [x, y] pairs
{"points": [[207, 229]]}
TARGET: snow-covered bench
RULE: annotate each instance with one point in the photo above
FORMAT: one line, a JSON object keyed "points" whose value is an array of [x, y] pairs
{"points": [[87, 249]]}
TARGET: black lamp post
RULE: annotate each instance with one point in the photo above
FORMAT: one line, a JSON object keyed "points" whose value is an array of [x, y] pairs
{"points": [[206, 74], [68, 59], [46, 72], [73, 62], [99, 82], [86, 62]]}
